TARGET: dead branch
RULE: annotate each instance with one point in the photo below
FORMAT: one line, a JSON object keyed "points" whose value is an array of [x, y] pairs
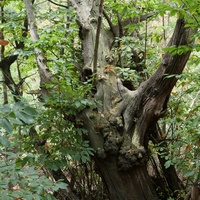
{"points": [[97, 37]]}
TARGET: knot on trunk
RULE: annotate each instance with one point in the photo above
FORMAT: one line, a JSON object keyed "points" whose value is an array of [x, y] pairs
{"points": [[86, 74], [130, 156], [83, 31], [112, 143], [101, 153], [116, 121]]}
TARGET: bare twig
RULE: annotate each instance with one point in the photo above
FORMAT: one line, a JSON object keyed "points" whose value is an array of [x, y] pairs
{"points": [[109, 22], [188, 196], [145, 42], [135, 20], [146, 16], [23, 79], [57, 4], [120, 25]]}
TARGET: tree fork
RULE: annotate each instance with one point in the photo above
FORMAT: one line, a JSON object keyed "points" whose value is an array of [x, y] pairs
{"points": [[116, 153]]}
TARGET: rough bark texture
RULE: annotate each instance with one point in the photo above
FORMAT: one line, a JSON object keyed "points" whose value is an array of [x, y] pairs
{"points": [[195, 191], [118, 127], [131, 184]]}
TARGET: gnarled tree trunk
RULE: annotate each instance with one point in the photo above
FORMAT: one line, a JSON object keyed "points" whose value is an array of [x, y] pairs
{"points": [[119, 126]]}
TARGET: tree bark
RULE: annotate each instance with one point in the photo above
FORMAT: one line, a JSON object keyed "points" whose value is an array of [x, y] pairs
{"points": [[131, 184], [118, 128], [195, 191]]}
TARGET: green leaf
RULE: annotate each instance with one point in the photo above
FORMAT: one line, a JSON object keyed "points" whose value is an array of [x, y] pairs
{"points": [[4, 141], [84, 159], [49, 197], [167, 164], [27, 119], [29, 197], [124, 11], [6, 108], [61, 185], [18, 106], [30, 111], [7, 125], [198, 164], [170, 76], [78, 104], [189, 173], [15, 121]]}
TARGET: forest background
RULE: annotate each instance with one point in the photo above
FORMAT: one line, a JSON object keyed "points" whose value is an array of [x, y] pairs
{"points": [[70, 68]]}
